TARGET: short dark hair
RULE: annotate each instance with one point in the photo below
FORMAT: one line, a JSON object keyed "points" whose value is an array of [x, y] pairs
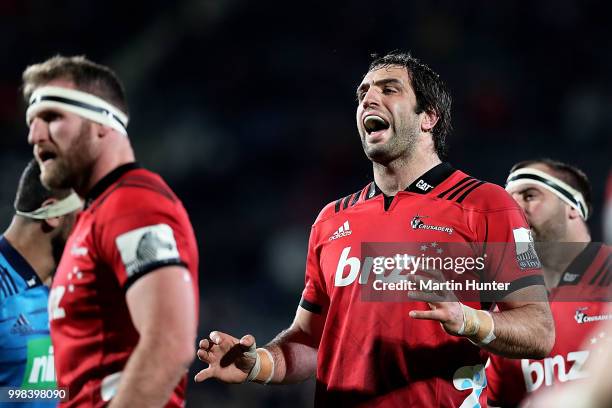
{"points": [[431, 92], [31, 193], [567, 173], [88, 76]]}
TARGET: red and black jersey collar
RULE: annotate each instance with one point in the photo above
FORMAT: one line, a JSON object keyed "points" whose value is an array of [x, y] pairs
{"points": [[576, 269], [424, 184], [106, 181]]}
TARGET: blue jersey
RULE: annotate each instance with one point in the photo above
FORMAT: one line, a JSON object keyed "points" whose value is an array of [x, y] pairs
{"points": [[26, 354]]}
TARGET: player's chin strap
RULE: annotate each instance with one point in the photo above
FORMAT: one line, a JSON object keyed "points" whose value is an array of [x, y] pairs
{"points": [[565, 192], [82, 103], [57, 209], [478, 326]]}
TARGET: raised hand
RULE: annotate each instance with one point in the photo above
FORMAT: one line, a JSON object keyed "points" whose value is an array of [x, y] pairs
{"points": [[445, 308], [229, 360]]}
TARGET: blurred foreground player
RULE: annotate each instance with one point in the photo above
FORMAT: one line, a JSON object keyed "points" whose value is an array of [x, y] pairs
{"points": [[607, 214], [367, 353], [30, 250], [593, 392], [556, 198], [123, 305]]}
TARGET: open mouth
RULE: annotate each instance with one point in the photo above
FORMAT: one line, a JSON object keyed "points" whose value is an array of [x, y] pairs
{"points": [[45, 156], [374, 123]]}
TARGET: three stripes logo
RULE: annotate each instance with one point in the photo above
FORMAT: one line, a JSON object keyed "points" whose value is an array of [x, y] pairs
{"points": [[343, 231], [461, 190], [22, 326]]}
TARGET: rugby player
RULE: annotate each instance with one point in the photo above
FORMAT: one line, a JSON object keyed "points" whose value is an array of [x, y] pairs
{"points": [[123, 305], [412, 353], [556, 198], [30, 250]]}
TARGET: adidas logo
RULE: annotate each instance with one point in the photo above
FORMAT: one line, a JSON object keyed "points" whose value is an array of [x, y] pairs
{"points": [[343, 231], [22, 326]]}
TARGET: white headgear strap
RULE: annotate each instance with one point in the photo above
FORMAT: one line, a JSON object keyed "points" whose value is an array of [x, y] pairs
{"points": [[82, 103], [564, 191], [57, 209]]}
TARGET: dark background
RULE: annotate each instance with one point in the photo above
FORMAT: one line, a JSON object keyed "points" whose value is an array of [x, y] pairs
{"points": [[247, 110]]}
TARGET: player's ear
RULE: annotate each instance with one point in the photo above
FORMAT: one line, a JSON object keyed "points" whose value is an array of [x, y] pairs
{"points": [[102, 130], [50, 223], [573, 213], [429, 118]]}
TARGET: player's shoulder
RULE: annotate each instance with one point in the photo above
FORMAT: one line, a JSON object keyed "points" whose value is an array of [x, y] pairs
{"points": [[16, 273], [596, 259], [491, 197], [9, 287], [143, 181], [340, 206], [136, 188], [479, 195]]}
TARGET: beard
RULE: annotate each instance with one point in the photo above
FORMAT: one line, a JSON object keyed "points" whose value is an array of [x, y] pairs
{"points": [[554, 229], [71, 167], [401, 143], [549, 233]]}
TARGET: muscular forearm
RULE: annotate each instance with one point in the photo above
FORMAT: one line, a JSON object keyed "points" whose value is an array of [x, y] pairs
{"points": [[295, 357], [152, 373], [524, 332]]}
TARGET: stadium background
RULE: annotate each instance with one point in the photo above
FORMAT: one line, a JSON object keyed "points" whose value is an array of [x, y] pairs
{"points": [[247, 109]]}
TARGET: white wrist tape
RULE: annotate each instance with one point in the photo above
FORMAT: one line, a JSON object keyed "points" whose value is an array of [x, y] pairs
{"points": [[267, 380], [257, 367], [471, 325], [491, 335], [252, 353]]}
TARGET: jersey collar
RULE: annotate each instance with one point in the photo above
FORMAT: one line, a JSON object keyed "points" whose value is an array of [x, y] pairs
{"points": [[107, 180], [576, 269], [19, 264], [424, 184]]}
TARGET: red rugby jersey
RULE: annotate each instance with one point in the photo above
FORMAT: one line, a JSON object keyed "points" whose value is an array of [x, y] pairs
{"points": [[132, 224], [371, 352], [580, 308]]}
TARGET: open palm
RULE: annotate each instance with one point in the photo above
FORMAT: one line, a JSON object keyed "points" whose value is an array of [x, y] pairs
{"points": [[229, 360]]}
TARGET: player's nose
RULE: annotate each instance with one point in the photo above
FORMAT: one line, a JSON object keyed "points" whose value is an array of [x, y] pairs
{"points": [[371, 98], [39, 131], [520, 201]]}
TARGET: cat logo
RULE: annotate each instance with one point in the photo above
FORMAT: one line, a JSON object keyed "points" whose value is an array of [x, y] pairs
{"points": [[423, 185]]}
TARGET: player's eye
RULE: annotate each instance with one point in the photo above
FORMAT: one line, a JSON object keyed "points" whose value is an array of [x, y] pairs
{"points": [[389, 90], [49, 116]]}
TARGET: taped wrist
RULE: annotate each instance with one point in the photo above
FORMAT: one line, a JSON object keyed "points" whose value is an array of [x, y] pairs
{"points": [[252, 353], [263, 370], [477, 326]]}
